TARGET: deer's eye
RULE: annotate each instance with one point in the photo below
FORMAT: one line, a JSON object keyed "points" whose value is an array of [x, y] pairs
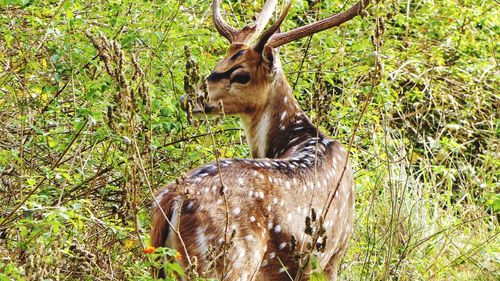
{"points": [[240, 78]]}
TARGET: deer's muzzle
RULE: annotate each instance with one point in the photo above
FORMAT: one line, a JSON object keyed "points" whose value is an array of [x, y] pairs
{"points": [[197, 105]]}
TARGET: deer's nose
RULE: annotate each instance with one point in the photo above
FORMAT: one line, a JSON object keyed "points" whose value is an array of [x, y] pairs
{"points": [[198, 105]]}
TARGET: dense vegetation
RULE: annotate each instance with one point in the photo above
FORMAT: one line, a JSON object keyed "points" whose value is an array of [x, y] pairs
{"points": [[90, 128]]}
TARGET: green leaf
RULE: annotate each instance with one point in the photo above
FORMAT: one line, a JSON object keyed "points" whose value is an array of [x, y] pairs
{"points": [[175, 268], [318, 276], [31, 181]]}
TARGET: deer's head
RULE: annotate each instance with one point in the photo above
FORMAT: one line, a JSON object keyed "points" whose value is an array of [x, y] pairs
{"points": [[242, 81]]}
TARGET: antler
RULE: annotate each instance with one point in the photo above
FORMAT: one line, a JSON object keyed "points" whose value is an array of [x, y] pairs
{"points": [[224, 29], [271, 30], [280, 39], [247, 33]]}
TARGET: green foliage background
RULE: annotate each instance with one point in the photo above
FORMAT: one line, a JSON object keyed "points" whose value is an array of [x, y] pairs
{"points": [[82, 152]]}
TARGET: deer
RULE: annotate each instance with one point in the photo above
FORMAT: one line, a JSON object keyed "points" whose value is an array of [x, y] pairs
{"points": [[296, 193]]}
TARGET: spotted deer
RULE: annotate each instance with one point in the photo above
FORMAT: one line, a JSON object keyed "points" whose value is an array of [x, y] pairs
{"points": [[250, 219]]}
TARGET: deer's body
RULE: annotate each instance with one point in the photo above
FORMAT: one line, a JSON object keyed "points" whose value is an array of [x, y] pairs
{"points": [[244, 219]]}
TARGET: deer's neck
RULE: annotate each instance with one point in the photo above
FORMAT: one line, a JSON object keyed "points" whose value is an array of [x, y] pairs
{"points": [[274, 131]]}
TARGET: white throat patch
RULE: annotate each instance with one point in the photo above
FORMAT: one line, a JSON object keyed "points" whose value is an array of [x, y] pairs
{"points": [[257, 136]]}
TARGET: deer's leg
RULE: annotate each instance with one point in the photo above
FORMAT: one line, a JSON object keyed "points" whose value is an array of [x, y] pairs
{"points": [[331, 267], [245, 259]]}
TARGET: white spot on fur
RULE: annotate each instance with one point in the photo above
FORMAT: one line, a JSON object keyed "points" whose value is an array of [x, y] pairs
{"points": [[282, 245], [252, 218], [298, 128], [277, 229], [236, 211], [283, 115], [329, 223], [287, 185], [261, 194], [202, 240], [311, 185], [241, 181]]}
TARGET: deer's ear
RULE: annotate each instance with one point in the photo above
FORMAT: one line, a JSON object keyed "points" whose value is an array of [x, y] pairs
{"points": [[270, 58]]}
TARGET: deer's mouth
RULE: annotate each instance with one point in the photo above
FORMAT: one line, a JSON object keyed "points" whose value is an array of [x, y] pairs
{"points": [[195, 105]]}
